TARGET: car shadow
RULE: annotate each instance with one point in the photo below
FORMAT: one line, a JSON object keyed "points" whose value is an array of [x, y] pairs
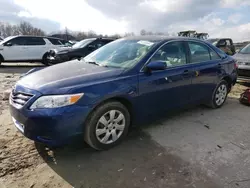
{"points": [[126, 165], [18, 69], [122, 166]]}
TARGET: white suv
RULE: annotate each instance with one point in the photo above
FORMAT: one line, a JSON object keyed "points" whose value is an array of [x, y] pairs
{"points": [[29, 48]]}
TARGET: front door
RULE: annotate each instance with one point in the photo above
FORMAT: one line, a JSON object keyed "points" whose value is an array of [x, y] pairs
{"points": [[14, 50], [169, 88]]}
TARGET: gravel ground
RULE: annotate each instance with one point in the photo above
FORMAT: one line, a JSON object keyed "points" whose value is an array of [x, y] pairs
{"points": [[142, 160]]}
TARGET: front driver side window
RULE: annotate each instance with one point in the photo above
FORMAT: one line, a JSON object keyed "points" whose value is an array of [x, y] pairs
{"points": [[173, 54], [18, 41]]}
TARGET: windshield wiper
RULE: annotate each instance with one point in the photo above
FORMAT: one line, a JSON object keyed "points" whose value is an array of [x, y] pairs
{"points": [[92, 62]]}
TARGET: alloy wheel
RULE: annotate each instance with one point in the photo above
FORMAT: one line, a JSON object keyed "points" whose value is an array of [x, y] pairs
{"points": [[221, 94], [110, 126]]}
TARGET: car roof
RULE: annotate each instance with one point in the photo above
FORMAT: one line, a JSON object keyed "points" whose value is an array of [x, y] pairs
{"points": [[219, 39], [159, 38], [38, 37]]}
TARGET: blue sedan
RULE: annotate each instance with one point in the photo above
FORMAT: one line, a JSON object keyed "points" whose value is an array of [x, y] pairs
{"points": [[101, 95]]}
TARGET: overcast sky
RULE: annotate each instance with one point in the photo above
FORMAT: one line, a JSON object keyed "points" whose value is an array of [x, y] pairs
{"points": [[220, 18]]}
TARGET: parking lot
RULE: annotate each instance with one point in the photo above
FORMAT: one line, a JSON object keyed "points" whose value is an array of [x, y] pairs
{"points": [[198, 147]]}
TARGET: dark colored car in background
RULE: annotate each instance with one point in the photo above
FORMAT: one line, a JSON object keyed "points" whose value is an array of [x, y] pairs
{"points": [[243, 62], [120, 84], [78, 50], [225, 44]]}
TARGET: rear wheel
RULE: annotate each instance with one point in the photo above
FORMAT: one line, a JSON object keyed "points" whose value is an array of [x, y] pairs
{"points": [[219, 95], [107, 126]]}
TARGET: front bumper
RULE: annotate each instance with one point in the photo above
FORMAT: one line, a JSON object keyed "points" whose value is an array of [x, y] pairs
{"points": [[49, 126]]}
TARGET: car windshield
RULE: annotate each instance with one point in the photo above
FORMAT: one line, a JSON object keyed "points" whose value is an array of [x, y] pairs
{"points": [[82, 43], [245, 50], [121, 53], [6, 39]]}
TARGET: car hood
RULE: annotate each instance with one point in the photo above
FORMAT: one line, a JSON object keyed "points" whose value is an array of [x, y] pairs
{"points": [[69, 77], [69, 50], [242, 57]]}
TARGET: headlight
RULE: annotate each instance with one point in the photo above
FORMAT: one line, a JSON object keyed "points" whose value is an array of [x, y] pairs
{"points": [[56, 101]]}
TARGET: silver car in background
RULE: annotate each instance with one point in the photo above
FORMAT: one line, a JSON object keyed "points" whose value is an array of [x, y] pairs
{"points": [[243, 62]]}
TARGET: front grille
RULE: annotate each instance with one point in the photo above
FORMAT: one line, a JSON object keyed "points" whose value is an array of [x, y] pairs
{"points": [[243, 72], [19, 99]]}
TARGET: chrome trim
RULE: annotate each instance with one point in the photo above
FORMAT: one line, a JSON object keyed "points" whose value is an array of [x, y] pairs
{"points": [[16, 105]]}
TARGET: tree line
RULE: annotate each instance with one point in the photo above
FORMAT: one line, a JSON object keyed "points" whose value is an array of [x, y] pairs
{"points": [[25, 28]]}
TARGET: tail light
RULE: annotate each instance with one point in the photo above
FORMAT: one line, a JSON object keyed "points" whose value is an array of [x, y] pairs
{"points": [[235, 65]]}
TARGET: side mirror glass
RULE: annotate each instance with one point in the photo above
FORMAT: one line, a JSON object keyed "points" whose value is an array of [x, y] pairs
{"points": [[156, 65]]}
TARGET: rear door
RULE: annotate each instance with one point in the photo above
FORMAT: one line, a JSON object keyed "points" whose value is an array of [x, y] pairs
{"points": [[169, 88], [205, 63], [35, 49]]}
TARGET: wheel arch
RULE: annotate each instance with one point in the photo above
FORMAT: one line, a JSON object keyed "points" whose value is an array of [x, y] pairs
{"points": [[123, 100], [229, 80], [1, 58]]}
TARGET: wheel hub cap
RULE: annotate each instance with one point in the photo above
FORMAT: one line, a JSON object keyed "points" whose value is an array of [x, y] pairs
{"points": [[221, 94], [110, 126]]}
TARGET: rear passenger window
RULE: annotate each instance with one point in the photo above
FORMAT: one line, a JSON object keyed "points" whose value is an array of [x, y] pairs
{"points": [[35, 41], [55, 41], [214, 55], [199, 52]]}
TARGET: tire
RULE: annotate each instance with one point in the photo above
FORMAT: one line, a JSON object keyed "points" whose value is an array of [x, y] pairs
{"points": [[108, 127], [45, 60], [1, 59], [219, 96]]}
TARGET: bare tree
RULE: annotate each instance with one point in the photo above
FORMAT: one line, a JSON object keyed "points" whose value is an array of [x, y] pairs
{"points": [[26, 28], [143, 32]]}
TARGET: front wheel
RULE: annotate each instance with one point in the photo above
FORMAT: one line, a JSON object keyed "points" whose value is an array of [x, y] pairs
{"points": [[107, 126], [219, 95], [45, 60]]}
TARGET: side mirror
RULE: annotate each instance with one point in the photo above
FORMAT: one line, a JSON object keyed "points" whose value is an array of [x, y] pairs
{"points": [[156, 65], [8, 44]]}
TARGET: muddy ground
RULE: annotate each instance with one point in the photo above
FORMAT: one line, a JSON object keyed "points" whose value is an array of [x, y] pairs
{"points": [[142, 160]]}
